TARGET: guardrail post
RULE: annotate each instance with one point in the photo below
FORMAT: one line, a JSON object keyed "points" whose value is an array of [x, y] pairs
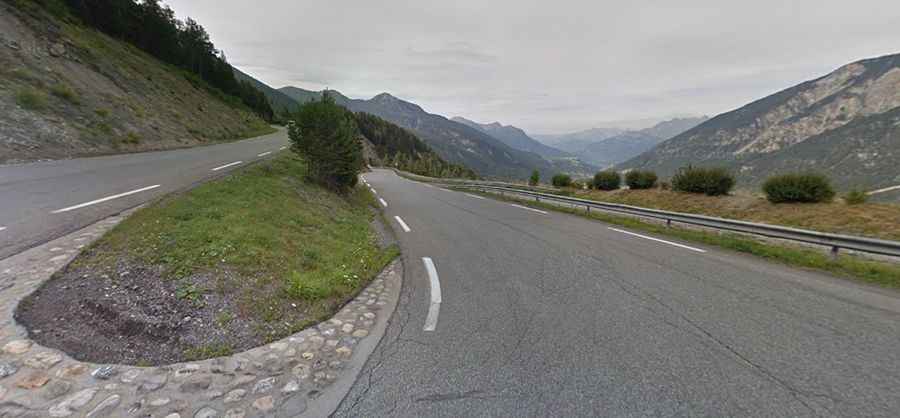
{"points": [[668, 223], [588, 208], [834, 251]]}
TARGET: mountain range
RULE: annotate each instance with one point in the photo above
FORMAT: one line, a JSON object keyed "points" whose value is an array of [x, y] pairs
{"points": [[606, 147], [845, 124], [516, 138]]}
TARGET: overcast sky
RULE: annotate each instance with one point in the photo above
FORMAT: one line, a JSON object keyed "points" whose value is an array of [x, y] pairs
{"points": [[549, 66]]}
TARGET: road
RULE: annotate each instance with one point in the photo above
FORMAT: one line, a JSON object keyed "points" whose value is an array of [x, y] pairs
{"points": [[45, 200], [546, 314]]}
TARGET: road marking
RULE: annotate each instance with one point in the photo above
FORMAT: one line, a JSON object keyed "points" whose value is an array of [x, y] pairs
{"points": [[282, 148], [434, 307], [471, 195], [2, 228], [264, 154], [886, 189], [383, 203], [227, 165], [105, 199], [427, 185], [659, 240], [402, 224], [531, 209], [373, 190]]}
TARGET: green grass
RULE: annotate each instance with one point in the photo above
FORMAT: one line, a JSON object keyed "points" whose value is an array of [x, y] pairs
{"points": [[208, 351], [31, 99], [847, 266], [283, 240], [66, 93]]}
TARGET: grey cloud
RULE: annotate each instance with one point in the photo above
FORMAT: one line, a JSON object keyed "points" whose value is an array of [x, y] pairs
{"points": [[549, 66]]}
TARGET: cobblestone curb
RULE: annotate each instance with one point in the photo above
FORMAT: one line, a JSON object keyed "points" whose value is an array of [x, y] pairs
{"points": [[278, 380]]}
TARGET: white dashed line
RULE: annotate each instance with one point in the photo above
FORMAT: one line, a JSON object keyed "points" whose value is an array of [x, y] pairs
{"points": [[383, 203], [105, 199], [264, 154], [531, 209], [227, 165], [282, 148], [434, 307], [659, 240], [2, 228], [373, 190], [402, 224], [471, 195]]}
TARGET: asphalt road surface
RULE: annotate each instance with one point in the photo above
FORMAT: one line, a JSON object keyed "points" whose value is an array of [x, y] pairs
{"points": [[546, 314], [45, 200]]}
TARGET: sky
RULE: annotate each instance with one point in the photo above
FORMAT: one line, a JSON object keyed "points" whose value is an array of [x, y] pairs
{"points": [[549, 66]]}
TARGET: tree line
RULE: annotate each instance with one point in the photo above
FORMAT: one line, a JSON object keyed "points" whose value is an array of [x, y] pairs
{"points": [[153, 28]]}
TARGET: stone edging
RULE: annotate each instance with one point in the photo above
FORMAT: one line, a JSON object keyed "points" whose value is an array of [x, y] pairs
{"points": [[284, 378]]}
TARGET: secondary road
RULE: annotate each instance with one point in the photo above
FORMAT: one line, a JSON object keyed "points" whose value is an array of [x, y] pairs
{"points": [[41, 201], [545, 314]]}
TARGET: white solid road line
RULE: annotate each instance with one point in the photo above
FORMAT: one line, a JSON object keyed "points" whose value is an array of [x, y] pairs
{"points": [[373, 190], [531, 209], [105, 199], [282, 148], [471, 195], [402, 224], [383, 203], [227, 165], [434, 307], [659, 240], [264, 154]]}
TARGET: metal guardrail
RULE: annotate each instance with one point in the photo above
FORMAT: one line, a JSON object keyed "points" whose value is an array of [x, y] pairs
{"points": [[835, 241]]}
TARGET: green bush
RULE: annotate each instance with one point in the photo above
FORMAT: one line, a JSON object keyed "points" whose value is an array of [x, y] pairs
{"points": [[325, 134], [798, 188], [535, 178], [562, 180], [31, 99], [710, 181], [66, 93], [639, 179], [607, 180], [856, 197]]}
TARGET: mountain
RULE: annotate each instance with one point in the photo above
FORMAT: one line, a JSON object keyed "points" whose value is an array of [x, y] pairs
{"points": [[68, 90], [515, 137], [453, 141], [606, 147], [280, 102], [299, 95], [844, 124]]}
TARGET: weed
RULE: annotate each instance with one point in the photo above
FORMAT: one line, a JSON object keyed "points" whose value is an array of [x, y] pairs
{"points": [[208, 351], [66, 93], [102, 112], [31, 99]]}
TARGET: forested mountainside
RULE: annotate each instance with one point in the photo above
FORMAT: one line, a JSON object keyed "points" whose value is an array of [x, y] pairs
{"points": [[68, 89]]}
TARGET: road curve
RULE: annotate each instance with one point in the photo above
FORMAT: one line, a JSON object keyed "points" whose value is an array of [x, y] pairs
{"points": [[42, 201], [547, 314]]}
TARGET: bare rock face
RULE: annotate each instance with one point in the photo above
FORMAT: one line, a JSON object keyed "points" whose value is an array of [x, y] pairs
{"points": [[844, 124]]}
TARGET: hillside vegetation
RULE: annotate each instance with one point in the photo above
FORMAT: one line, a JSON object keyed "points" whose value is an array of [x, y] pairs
{"points": [[67, 90]]}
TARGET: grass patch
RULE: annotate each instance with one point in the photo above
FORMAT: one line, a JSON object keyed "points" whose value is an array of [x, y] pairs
{"points": [[208, 351], [287, 241], [848, 266], [31, 99], [66, 93]]}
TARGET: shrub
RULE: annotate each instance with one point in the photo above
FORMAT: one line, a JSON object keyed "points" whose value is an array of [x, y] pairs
{"points": [[325, 134], [639, 179], [855, 197], [31, 99], [607, 180], [710, 181], [798, 188], [535, 178], [562, 180], [66, 93]]}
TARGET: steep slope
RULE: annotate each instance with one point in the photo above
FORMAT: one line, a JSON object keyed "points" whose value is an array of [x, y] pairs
{"points": [[842, 124], [69, 91], [515, 137], [454, 142], [280, 102]]}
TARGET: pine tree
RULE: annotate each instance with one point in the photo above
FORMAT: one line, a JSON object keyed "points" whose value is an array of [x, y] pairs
{"points": [[326, 135]]}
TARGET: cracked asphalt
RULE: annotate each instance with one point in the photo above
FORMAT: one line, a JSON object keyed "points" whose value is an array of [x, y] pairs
{"points": [[556, 315]]}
